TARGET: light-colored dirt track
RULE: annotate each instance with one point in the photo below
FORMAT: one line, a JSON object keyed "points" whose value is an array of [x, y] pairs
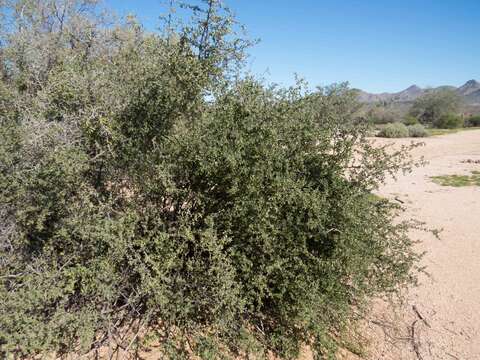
{"points": [[439, 319]]}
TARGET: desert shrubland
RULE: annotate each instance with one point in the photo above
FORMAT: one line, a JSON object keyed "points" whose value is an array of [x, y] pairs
{"points": [[148, 186]]}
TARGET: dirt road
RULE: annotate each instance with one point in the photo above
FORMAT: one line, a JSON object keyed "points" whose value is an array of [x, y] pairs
{"points": [[440, 318]]}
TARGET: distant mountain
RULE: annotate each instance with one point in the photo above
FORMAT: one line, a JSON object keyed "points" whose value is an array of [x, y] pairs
{"points": [[470, 87], [406, 95], [473, 97], [470, 92]]}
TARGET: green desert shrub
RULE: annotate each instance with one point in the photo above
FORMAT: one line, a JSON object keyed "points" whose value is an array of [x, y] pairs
{"points": [[417, 130], [395, 130], [473, 121], [458, 180], [449, 121], [162, 200], [243, 232], [435, 104], [380, 115], [410, 120]]}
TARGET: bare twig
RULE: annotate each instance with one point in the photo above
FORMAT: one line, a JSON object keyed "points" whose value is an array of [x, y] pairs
{"points": [[414, 342], [453, 356], [420, 316], [400, 201]]}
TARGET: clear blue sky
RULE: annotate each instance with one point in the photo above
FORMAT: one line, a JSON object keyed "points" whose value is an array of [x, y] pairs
{"points": [[375, 45]]}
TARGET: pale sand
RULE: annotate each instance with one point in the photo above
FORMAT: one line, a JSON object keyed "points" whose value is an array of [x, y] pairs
{"points": [[448, 300]]}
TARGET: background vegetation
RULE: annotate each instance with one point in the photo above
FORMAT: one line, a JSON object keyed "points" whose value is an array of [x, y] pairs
{"points": [[150, 192], [458, 180], [394, 130], [417, 130], [435, 109], [432, 108]]}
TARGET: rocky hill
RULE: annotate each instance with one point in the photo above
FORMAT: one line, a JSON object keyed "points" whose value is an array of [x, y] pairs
{"points": [[470, 92]]}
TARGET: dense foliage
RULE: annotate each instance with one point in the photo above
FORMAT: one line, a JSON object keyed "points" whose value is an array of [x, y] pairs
{"points": [[449, 121], [151, 195], [432, 106], [473, 121], [394, 130], [380, 114], [400, 130], [417, 130], [410, 120]]}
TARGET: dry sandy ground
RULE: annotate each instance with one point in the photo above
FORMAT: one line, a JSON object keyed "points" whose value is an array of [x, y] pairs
{"points": [[439, 319]]}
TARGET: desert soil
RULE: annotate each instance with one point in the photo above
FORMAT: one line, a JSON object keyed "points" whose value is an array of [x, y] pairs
{"points": [[439, 319]]}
